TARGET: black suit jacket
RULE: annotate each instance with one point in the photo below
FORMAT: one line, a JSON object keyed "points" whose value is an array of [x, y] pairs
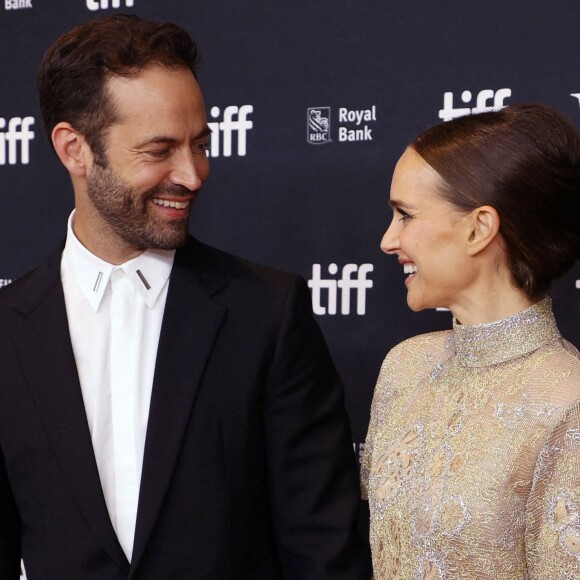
{"points": [[248, 469]]}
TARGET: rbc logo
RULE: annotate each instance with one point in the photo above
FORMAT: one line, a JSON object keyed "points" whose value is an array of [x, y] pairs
{"points": [[318, 125], [17, 129], [487, 100], [223, 131], [346, 283], [104, 4]]}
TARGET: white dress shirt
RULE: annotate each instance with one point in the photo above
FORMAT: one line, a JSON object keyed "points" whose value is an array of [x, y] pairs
{"points": [[114, 317]]}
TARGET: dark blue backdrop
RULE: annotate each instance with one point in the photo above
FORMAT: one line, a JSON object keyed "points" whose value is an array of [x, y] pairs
{"points": [[319, 99]]}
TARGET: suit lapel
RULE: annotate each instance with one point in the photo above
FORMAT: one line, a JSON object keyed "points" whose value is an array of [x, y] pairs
{"points": [[44, 348], [191, 322]]}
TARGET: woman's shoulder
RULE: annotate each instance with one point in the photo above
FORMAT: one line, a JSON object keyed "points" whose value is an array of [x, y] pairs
{"points": [[417, 356], [558, 368], [558, 359], [571, 353], [430, 345]]}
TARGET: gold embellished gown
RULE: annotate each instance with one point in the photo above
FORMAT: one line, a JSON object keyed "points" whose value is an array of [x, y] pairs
{"points": [[472, 459]]}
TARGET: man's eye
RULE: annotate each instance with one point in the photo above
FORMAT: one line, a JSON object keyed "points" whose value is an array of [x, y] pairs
{"points": [[158, 153], [203, 146]]}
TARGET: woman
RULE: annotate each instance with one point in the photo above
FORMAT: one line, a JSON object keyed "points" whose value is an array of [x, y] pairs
{"points": [[472, 460]]}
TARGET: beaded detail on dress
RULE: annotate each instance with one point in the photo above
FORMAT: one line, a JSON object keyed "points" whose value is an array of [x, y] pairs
{"points": [[490, 343], [472, 460]]}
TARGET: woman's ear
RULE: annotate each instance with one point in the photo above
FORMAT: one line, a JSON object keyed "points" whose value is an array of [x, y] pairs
{"points": [[72, 149], [484, 227]]}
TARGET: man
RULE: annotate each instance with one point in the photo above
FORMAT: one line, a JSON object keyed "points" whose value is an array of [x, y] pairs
{"points": [[163, 414]]}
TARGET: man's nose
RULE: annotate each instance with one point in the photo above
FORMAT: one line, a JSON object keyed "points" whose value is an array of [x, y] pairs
{"points": [[190, 170]]}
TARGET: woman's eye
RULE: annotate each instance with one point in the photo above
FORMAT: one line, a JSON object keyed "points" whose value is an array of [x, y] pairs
{"points": [[404, 216]]}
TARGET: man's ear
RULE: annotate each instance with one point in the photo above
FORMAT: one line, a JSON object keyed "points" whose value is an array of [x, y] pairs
{"points": [[483, 229], [72, 149]]}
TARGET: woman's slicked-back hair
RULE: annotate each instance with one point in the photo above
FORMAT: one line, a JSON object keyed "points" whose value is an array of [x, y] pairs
{"points": [[73, 72], [523, 160]]}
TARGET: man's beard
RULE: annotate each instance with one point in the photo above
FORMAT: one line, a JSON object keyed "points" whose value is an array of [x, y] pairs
{"points": [[128, 215]]}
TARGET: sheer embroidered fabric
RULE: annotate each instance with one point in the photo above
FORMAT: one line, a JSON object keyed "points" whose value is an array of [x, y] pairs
{"points": [[472, 459]]}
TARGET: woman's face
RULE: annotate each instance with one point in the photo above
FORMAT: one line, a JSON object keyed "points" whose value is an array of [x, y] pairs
{"points": [[429, 236]]}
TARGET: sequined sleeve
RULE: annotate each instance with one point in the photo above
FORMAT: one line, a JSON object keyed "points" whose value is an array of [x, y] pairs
{"points": [[383, 392], [405, 355], [553, 512], [368, 449], [366, 461]]}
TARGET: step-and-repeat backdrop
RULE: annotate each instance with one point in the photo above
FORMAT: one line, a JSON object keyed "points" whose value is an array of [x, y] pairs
{"points": [[311, 103]]}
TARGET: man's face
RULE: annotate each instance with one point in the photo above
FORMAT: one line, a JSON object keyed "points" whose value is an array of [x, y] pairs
{"points": [[155, 163]]}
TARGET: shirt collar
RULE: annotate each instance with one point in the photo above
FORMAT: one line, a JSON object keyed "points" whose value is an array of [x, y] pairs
{"points": [[149, 271]]}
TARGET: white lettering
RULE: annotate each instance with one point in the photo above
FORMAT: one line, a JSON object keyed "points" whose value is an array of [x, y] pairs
{"points": [[361, 283], [104, 4], [358, 449], [486, 100], [364, 134], [357, 115], [317, 284], [348, 281], [223, 132], [17, 4], [448, 112], [318, 137], [18, 131]]}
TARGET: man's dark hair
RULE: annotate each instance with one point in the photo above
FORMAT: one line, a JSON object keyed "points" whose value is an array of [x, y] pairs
{"points": [[524, 161], [74, 70]]}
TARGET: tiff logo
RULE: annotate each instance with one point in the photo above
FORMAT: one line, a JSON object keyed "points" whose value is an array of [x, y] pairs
{"points": [[359, 449], [235, 122], [345, 284], [104, 4], [12, 132], [486, 100], [5, 282]]}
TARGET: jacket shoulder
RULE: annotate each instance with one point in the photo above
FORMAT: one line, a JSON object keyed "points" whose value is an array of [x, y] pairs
{"points": [[27, 291]]}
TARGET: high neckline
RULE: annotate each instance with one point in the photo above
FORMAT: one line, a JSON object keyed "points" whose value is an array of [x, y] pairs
{"points": [[490, 343]]}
